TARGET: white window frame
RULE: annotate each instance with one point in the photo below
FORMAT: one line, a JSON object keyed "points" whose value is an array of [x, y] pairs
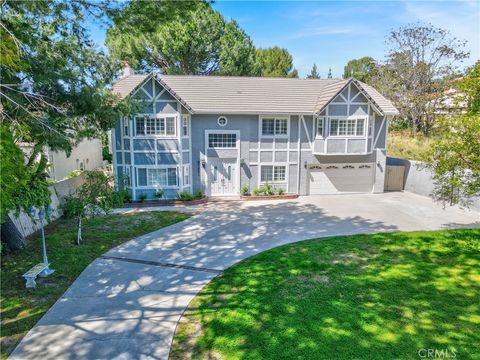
{"points": [[157, 117], [222, 133], [185, 126], [320, 120], [126, 126], [275, 119], [186, 175], [222, 117], [273, 181], [156, 167], [347, 118]]}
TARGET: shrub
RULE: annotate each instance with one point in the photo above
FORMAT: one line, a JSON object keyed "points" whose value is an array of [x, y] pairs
{"points": [[280, 191], [268, 189], [245, 190], [258, 191], [159, 194], [187, 196], [121, 197], [142, 197]]}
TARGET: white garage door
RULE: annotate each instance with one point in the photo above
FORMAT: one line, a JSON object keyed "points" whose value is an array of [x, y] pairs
{"points": [[335, 178]]}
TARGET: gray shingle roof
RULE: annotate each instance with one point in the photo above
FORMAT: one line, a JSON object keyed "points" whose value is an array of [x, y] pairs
{"points": [[262, 95]]}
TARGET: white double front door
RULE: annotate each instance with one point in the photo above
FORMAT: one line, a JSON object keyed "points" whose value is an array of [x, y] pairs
{"points": [[222, 175]]}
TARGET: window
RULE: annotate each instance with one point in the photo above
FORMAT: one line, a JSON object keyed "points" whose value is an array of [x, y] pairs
{"points": [[186, 174], [157, 177], [272, 173], [274, 126], [227, 141], [125, 126], [185, 126], [222, 121], [162, 126], [320, 127], [347, 127]]}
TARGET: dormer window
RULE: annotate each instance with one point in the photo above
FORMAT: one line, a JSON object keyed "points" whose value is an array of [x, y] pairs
{"points": [[347, 127]]}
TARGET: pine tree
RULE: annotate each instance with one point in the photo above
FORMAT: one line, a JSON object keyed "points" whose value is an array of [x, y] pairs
{"points": [[314, 73]]}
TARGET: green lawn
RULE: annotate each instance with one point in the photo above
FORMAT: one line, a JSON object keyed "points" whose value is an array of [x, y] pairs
{"points": [[383, 296], [21, 308]]}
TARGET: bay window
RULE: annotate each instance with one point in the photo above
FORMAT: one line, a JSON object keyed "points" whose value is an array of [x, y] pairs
{"points": [[157, 126], [347, 127]]}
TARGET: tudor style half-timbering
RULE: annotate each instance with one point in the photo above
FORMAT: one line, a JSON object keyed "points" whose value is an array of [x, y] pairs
{"points": [[217, 134]]}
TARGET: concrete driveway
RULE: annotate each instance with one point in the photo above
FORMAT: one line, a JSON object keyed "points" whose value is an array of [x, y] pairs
{"points": [[126, 304]]}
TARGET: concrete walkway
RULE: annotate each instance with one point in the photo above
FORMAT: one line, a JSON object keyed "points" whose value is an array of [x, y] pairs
{"points": [[126, 304]]}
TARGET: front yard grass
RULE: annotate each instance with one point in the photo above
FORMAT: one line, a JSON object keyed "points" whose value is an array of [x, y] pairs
{"points": [[21, 308], [383, 296]]}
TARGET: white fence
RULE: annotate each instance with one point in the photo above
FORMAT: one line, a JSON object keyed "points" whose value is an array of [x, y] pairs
{"points": [[58, 191]]}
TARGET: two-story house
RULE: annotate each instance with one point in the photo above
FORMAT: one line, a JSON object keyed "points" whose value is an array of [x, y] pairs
{"points": [[217, 134]]}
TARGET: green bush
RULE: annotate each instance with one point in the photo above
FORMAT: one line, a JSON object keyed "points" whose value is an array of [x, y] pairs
{"points": [[142, 197], [159, 194], [188, 196], [280, 191], [121, 197], [245, 190], [268, 189], [258, 191]]}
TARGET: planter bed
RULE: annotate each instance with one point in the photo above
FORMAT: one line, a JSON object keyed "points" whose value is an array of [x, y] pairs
{"points": [[268, 197], [165, 203]]}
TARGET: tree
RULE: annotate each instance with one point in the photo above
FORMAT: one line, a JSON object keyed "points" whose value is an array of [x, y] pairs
{"points": [[53, 83], [96, 196], [190, 38], [275, 62], [329, 76], [314, 73], [361, 69], [236, 52], [420, 60], [455, 154]]}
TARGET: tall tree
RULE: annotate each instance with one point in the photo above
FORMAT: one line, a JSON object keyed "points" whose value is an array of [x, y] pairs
{"points": [[361, 69], [420, 60], [179, 38], [455, 153], [52, 90], [275, 62], [313, 73]]}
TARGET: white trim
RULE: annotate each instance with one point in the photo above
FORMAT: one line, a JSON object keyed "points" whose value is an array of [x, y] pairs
{"points": [[379, 132], [213, 132], [344, 118], [275, 117], [299, 150], [273, 164], [166, 187], [222, 117], [208, 189], [155, 116]]}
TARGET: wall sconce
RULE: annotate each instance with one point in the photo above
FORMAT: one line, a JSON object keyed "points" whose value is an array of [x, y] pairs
{"points": [[305, 164], [203, 163], [242, 161]]}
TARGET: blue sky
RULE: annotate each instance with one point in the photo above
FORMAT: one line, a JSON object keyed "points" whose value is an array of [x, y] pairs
{"points": [[331, 33]]}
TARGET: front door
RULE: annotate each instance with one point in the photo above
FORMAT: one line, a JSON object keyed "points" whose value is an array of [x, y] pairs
{"points": [[222, 175]]}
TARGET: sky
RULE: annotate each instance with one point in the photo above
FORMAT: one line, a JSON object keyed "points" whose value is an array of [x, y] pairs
{"points": [[330, 33]]}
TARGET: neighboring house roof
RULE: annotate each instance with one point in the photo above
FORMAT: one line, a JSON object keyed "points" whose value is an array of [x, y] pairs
{"points": [[236, 95]]}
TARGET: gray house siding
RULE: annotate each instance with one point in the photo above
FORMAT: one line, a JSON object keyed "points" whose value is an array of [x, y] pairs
{"points": [[297, 152]]}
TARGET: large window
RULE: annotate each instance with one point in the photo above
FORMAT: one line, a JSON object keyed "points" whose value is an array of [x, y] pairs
{"points": [[155, 177], [272, 173], [347, 127], [274, 126], [220, 140], [159, 126]]}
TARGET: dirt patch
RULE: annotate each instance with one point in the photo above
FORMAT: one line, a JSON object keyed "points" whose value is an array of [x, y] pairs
{"points": [[184, 346]]}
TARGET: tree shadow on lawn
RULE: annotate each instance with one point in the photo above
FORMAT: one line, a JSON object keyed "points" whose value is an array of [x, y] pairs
{"points": [[378, 296]]}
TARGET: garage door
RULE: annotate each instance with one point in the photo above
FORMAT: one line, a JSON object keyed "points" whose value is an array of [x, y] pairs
{"points": [[335, 178]]}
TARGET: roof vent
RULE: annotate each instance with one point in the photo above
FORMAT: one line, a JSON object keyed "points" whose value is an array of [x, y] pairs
{"points": [[127, 70]]}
